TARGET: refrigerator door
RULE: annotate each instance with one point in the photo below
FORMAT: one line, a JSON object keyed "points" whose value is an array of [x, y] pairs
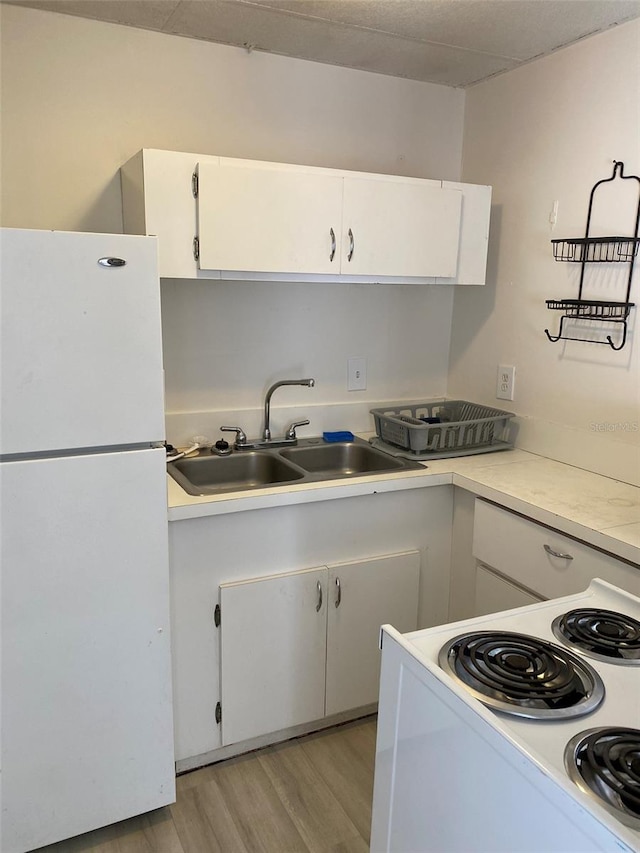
{"points": [[81, 343], [87, 735]]}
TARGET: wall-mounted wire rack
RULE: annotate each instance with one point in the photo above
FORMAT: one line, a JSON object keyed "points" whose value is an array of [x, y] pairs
{"points": [[587, 250], [597, 250]]}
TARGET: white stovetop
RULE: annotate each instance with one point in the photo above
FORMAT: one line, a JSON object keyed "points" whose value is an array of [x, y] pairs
{"points": [[544, 741], [600, 511], [622, 701]]}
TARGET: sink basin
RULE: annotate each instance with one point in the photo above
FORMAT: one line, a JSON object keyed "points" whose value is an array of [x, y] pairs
{"points": [[343, 459], [209, 475], [310, 461]]}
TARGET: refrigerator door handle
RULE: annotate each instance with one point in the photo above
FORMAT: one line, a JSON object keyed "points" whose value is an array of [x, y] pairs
{"points": [[112, 262]]}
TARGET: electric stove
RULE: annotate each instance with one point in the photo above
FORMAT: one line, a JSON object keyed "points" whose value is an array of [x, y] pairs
{"points": [[516, 731]]}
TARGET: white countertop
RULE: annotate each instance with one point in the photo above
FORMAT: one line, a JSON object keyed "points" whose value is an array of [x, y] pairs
{"points": [[603, 512]]}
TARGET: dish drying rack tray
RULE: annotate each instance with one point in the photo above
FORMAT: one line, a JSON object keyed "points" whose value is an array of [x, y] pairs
{"points": [[597, 250], [440, 429]]}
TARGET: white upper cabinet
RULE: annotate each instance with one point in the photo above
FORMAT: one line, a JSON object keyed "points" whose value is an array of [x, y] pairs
{"points": [[262, 218], [157, 199], [399, 227], [471, 261], [247, 219], [275, 218]]}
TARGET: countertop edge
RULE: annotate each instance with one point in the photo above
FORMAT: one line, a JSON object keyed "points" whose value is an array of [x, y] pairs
{"points": [[312, 493]]}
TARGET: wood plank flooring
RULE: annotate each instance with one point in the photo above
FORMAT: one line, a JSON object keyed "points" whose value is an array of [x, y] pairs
{"points": [[309, 795]]}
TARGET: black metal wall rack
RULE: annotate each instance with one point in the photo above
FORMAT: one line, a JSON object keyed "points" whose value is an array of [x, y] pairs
{"points": [[597, 250]]}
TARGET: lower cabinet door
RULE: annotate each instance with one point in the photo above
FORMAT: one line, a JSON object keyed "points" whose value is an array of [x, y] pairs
{"points": [[362, 596], [273, 644]]}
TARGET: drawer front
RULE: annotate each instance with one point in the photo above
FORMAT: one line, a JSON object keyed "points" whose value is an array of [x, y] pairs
{"points": [[515, 547], [495, 594]]}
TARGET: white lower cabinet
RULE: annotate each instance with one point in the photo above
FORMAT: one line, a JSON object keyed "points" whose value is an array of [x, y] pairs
{"points": [[298, 646], [533, 562], [275, 661]]}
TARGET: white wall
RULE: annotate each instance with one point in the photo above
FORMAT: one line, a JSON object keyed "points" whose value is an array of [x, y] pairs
{"points": [[80, 97], [548, 131], [224, 343]]}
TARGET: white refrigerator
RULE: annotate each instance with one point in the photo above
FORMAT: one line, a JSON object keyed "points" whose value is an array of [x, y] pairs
{"points": [[86, 715]]}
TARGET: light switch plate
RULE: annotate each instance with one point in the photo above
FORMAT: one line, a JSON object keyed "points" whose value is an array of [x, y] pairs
{"points": [[356, 374]]}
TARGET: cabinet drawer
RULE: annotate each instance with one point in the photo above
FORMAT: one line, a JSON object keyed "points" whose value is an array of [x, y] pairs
{"points": [[495, 594], [521, 550]]}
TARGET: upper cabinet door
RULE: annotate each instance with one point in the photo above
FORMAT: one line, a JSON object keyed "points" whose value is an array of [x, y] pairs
{"points": [[399, 227], [262, 218]]}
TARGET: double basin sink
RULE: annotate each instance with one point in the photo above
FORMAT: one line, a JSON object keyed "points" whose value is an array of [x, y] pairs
{"points": [[312, 460]]}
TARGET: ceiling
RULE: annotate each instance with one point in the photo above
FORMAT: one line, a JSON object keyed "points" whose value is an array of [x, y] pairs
{"points": [[451, 42]]}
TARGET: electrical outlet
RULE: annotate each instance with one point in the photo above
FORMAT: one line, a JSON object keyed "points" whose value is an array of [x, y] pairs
{"points": [[356, 374], [506, 382]]}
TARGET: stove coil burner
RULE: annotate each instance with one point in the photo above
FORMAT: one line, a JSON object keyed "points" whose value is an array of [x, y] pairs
{"points": [[605, 762], [601, 634], [522, 675]]}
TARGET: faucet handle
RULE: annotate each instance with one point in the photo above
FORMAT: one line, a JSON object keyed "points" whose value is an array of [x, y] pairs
{"points": [[241, 437], [291, 432]]}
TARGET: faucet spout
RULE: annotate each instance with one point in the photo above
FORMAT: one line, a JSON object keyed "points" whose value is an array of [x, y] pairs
{"points": [[266, 433]]}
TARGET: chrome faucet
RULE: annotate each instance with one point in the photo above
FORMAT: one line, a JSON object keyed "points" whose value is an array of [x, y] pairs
{"points": [[266, 433], [290, 438]]}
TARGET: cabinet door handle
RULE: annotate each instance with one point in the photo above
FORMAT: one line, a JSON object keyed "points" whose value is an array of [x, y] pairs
{"points": [[559, 554], [338, 592], [332, 253], [352, 245], [319, 604]]}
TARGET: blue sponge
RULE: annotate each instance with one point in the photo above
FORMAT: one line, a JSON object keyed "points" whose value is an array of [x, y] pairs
{"points": [[344, 435]]}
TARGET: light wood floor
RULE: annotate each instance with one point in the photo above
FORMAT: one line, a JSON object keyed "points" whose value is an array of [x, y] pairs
{"points": [[309, 794]]}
